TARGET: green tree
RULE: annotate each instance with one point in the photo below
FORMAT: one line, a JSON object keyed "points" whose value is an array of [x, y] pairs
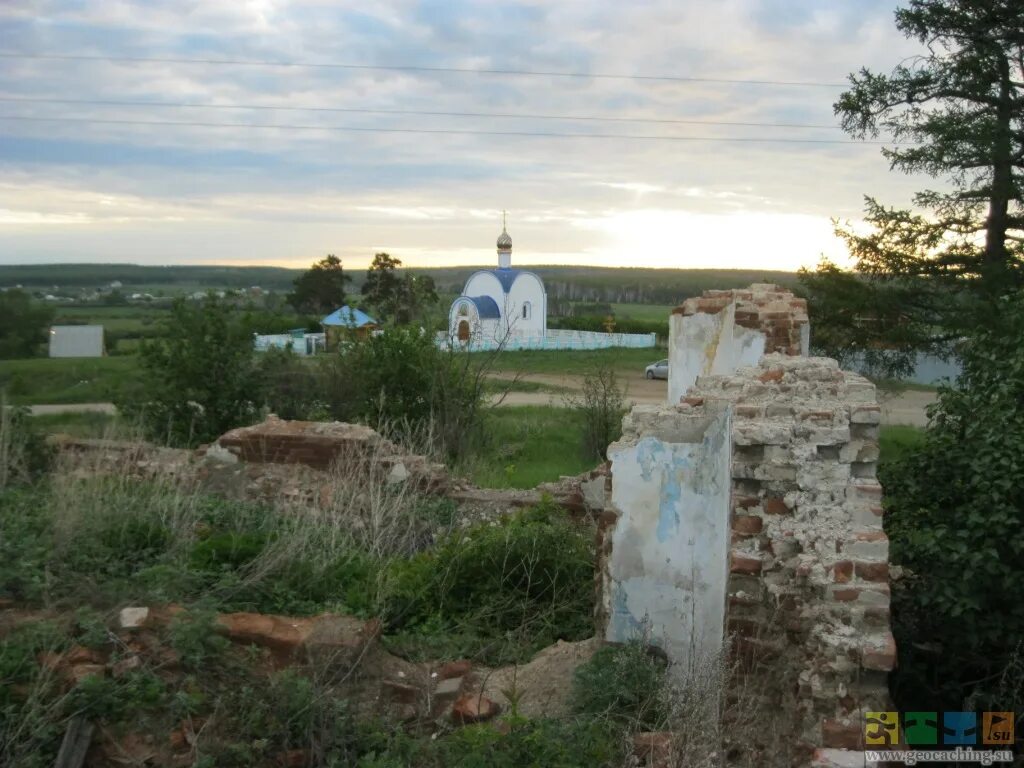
{"points": [[384, 290], [420, 298], [23, 325], [199, 376], [926, 277], [321, 288], [955, 508]]}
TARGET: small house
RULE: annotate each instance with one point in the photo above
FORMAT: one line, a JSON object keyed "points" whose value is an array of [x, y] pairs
{"points": [[76, 341], [347, 323]]}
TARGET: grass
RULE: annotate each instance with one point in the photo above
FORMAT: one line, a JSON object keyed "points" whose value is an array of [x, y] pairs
{"points": [[658, 312], [896, 440], [528, 445], [577, 363], [67, 380]]}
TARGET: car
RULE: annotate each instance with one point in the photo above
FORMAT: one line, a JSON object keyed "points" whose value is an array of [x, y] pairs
{"points": [[658, 370]]}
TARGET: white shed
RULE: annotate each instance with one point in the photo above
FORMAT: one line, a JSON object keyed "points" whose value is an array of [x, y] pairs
{"points": [[76, 341]]}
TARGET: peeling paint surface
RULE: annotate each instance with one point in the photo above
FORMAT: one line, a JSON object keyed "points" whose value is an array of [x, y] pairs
{"points": [[708, 344], [669, 563]]}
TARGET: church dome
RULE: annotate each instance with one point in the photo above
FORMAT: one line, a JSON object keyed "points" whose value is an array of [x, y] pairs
{"points": [[504, 241]]}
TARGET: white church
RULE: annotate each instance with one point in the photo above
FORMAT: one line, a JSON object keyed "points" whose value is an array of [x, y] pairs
{"points": [[500, 305], [508, 308]]}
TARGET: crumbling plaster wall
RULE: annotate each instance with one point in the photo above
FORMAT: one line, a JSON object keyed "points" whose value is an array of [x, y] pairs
{"points": [[668, 567], [807, 598], [723, 330]]}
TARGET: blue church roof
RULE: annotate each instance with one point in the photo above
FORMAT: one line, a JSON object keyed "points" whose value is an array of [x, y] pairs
{"points": [[506, 277], [486, 306], [349, 318]]}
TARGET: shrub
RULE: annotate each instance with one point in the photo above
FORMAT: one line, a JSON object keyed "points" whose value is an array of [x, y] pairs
{"points": [[402, 383], [548, 743], [499, 591], [624, 683], [601, 407], [24, 455], [953, 505], [198, 377]]}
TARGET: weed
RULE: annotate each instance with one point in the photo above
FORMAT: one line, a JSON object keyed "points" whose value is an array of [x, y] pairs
{"points": [[509, 588], [623, 683], [194, 637]]}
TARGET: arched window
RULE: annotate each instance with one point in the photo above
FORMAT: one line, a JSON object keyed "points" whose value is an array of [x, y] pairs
{"points": [[527, 310]]}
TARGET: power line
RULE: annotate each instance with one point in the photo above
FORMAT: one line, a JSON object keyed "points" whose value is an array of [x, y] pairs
{"points": [[414, 68], [446, 131], [419, 112]]}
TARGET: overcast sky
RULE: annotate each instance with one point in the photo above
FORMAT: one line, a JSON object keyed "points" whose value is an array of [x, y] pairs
{"points": [[76, 190]]}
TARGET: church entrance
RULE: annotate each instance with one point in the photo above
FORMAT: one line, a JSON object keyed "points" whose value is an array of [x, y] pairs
{"points": [[463, 330]]}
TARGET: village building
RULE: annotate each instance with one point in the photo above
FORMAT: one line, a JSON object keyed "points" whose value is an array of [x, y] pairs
{"points": [[500, 305], [76, 341], [345, 323]]}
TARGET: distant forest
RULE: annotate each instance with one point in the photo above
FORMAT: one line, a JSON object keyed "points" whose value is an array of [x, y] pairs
{"points": [[624, 285]]}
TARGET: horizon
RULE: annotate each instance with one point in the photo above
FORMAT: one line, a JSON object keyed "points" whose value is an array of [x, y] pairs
{"points": [[656, 136]]}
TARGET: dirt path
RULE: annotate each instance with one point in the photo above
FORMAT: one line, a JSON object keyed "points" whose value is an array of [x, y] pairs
{"points": [[903, 408], [49, 410], [906, 407]]}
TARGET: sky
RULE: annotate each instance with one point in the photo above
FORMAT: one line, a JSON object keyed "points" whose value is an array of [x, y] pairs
{"points": [[113, 182]]}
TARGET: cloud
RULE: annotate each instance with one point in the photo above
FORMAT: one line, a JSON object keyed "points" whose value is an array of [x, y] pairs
{"points": [[288, 194]]}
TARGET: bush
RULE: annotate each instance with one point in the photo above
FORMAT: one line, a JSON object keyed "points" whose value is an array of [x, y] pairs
{"points": [[624, 683], [198, 377], [954, 504], [402, 383], [601, 407], [499, 592], [24, 454]]}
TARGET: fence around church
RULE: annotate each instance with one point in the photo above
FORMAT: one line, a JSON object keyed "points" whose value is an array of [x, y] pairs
{"points": [[556, 338]]}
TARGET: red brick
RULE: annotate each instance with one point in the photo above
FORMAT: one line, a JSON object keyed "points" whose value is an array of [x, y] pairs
{"points": [[744, 502], [870, 536], [836, 735], [847, 595], [694, 401], [872, 571], [773, 505], [774, 374], [842, 571], [745, 564], [747, 525], [880, 659]]}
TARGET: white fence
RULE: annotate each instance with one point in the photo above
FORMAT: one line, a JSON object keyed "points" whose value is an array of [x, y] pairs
{"points": [[299, 343], [556, 339]]}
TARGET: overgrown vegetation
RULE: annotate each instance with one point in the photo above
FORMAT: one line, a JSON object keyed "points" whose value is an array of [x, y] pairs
{"points": [[953, 502], [600, 408], [498, 593]]}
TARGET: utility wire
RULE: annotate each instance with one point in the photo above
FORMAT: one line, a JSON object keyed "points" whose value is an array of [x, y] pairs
{"points": [[447, 131], [413, 68], [428, 113]]}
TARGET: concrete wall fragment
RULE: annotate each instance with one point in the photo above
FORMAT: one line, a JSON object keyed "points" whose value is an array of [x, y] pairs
{"points": [[721, 331], [668, 571]]}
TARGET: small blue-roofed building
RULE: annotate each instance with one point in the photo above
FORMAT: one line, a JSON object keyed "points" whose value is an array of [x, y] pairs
{"points": [[499, 305], [347, 322]]}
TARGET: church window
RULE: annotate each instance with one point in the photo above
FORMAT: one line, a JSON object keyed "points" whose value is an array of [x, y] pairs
{"points": [[527, 309]]}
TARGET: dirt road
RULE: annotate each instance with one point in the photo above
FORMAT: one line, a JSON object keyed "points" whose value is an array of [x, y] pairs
{"points": [[906, 407]]}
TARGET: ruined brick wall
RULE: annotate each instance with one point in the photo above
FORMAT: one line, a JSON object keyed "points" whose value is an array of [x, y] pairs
{"points": [[809, 553], [808, 592], [764, 307]]}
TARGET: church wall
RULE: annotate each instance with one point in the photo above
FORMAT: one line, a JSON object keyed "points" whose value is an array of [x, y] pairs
{"points": [[484, 284], [527, 287]]}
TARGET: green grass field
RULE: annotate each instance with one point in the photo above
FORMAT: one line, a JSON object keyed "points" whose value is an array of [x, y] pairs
{"points": [[528, 445], [652, 312], [67, 380]]}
